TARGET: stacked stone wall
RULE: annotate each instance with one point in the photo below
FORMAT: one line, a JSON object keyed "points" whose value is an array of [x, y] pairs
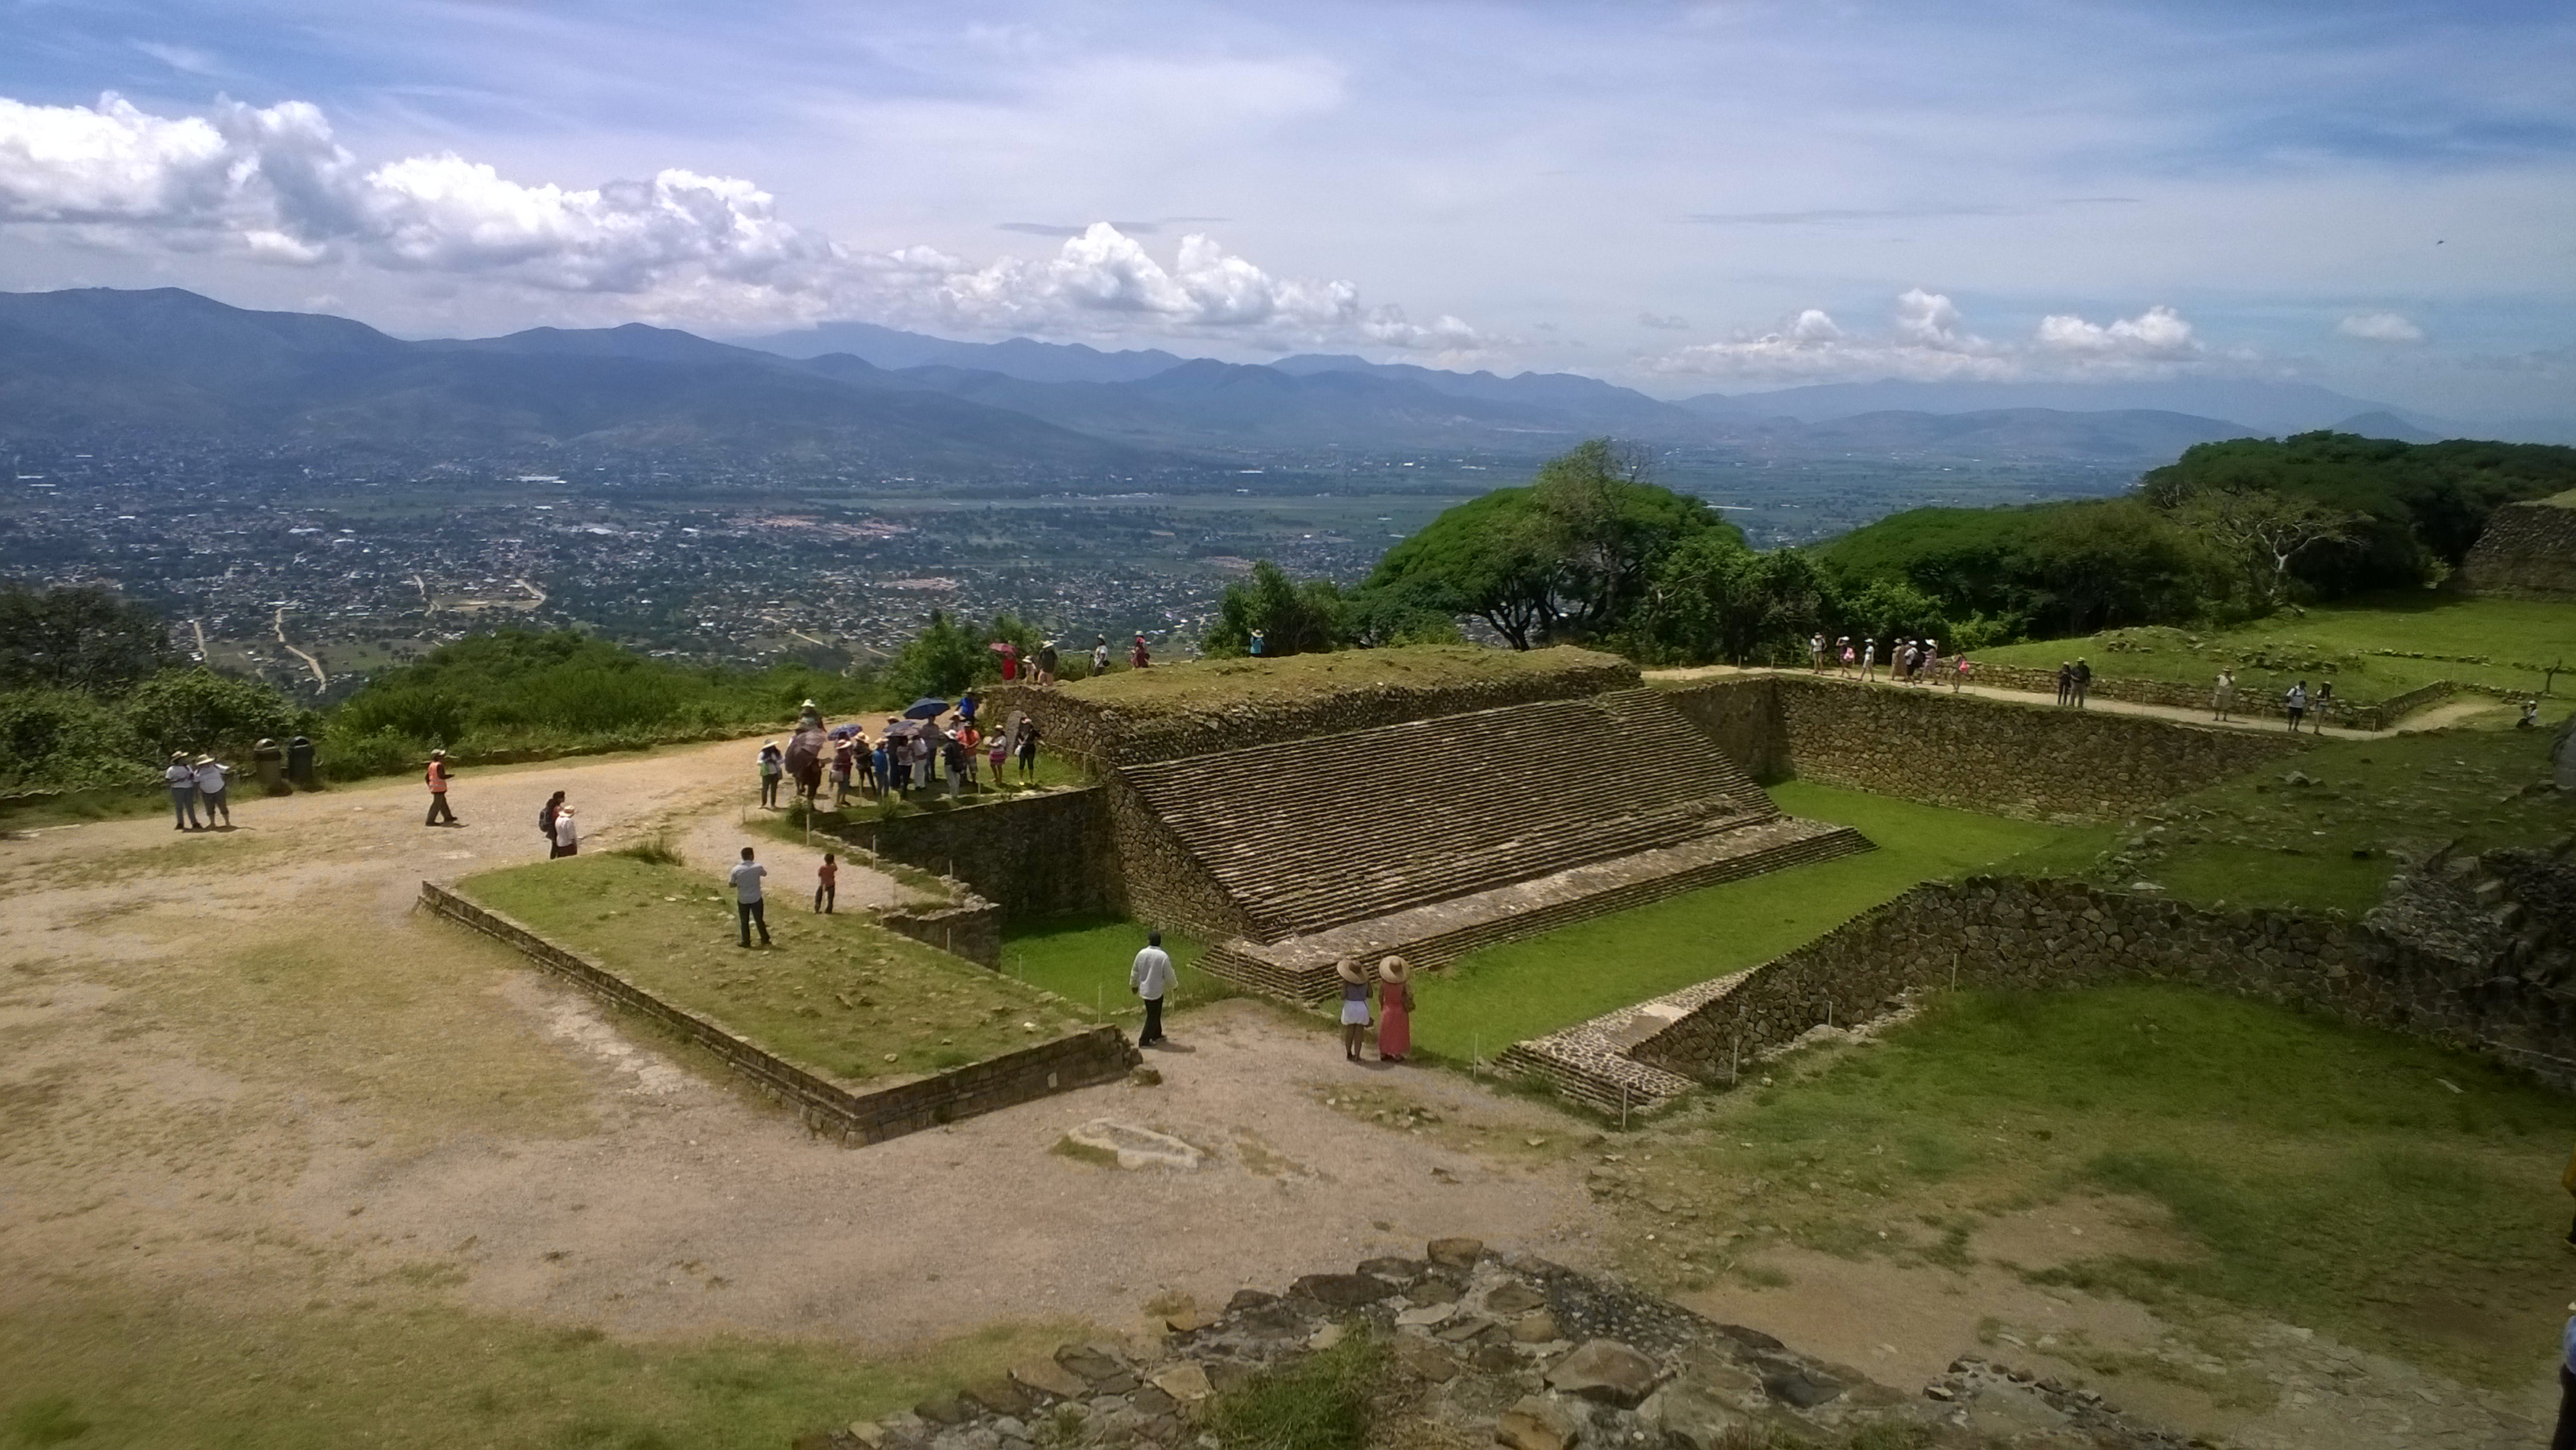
{"points": [[1030, 855], [2009, 932], [1974, 752], [2528, 551], [1081, 1059], [1104, 735]]}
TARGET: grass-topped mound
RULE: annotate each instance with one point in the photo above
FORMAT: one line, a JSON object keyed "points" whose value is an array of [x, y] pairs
{"points": [[2368, 649], [837, 995], [2324, 830], [1225, 704]]}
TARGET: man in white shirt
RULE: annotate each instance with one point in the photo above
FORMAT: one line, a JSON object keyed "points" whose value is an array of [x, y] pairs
{"points": [[210, 789], [746, 896], [1150, 978], [181, 777]]}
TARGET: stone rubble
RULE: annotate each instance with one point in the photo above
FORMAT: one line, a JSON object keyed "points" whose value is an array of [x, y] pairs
{"points": [[1608, 1366]]}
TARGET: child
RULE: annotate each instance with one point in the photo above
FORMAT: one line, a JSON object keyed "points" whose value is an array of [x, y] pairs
{"points": [[826, 877]]}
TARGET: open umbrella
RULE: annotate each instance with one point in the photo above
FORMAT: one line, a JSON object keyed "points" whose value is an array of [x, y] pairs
{"points": [[926, 708], [844, 732]]}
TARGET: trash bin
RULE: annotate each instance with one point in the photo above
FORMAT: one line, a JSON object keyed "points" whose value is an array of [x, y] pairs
{"points": [[269, 764], [299, 762]]}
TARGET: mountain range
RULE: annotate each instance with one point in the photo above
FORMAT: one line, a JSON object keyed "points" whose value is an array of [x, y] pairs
{"points": [[84, 363]]}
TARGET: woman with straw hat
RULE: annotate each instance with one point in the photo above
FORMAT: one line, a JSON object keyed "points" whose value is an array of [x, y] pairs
{"points": [[1355, 1005], [1394, 1010]]}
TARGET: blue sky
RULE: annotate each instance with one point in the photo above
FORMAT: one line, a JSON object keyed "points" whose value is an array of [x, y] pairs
{"points": [[1684, 197]]}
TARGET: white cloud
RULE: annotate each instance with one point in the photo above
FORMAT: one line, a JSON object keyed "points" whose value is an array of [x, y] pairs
{"points": [[1663, 321], [1928, 340], [271, 184], [2380, 327]]}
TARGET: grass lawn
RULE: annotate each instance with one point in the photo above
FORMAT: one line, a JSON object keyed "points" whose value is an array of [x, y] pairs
{"points": [[398, 1369], [2258, 841], [1522, 989], [2503, 642], [1179, 689], [1086, 958], [838, 994], [2392, 1193]]}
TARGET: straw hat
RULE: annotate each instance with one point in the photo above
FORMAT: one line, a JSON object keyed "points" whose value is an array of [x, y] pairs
{"points": [[438, 755], [178, 757], [205, 760], [1348, 969], [1396, 970]]}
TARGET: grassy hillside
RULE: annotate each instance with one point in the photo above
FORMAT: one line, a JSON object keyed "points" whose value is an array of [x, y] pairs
{"points": [[1184, 688], [2371, 647]]}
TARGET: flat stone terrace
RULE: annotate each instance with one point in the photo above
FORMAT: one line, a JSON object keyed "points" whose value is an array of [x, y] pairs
{"points": [[1430, 936], [1306, 836], [1589, 1061]]}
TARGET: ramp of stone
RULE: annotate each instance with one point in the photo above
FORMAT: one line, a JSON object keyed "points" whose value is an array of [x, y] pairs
{"points": [[1433, 935], [1308, 835], [1589, 1061]]}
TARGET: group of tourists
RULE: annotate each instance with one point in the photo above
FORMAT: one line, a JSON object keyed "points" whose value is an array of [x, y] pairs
{"points": [[2298, 703], [2074, 681], [1908, 661], [201, 782], [558, 823], [949, 753]]}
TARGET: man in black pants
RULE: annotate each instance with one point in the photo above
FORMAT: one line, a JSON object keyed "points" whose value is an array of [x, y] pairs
{"points": [[746, 896], [1150, 978]]}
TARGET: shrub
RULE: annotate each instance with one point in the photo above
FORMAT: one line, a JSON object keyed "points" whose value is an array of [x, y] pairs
{"points": [[198, 709]]}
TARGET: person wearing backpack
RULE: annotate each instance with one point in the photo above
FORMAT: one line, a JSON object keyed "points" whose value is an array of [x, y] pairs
{"points": [[546, 824]]}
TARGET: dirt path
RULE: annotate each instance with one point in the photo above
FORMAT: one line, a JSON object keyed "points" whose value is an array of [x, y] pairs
{"points": [[320, 680]]}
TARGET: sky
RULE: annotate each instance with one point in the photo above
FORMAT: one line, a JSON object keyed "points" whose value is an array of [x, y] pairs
{"points": [[1680, 197]]}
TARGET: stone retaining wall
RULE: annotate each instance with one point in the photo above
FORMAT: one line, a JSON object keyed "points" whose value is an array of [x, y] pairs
{"points": [[1105, 736], [1999, 756], [1031, 855], [2528, 551], [2009, 932], [1096, 1055]]}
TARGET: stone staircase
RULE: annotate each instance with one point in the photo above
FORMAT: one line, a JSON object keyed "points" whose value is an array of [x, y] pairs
{"points": [[1311, 835], [1589, 1061]]}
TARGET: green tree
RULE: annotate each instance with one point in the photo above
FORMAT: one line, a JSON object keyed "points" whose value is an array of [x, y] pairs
{"points": [[63, 740], [200, 710], [1294, 617], [942, 660], [1714, 600], [1568, 558], [84, 637], [2261, 531]]}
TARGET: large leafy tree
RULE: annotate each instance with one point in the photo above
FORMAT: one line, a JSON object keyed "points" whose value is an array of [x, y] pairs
{"points": [[1713, 599], [1570, 557], [84, 637]]}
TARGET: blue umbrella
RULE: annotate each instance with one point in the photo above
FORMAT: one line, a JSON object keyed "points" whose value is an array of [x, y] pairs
{"points": [[926, 708], [844, 732]]}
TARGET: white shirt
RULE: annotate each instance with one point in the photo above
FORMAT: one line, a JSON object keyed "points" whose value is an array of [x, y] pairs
{"points": [[746, 880], [1099, 658], [566, 832], [181, 777], [210, 779], [1152, 976]]}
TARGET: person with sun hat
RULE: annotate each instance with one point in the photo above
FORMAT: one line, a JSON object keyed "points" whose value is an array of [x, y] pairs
{"points": [[1394, 1010], [1355, 1005]]}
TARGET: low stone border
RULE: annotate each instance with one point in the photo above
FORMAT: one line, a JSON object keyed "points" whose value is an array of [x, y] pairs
{"points": [[1083, 1059]]}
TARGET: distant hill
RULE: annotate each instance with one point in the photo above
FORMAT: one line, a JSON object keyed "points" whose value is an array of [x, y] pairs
{"points": [[1019, 357], [2272, 408], [2385, 425], [2141, 434]]}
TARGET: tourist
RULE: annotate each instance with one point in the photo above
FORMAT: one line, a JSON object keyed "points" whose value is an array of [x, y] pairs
{"points": [[1355, 1006], [1869, 659], [2065, 681], [953, 757], [1138, 657], [996, 751], [2082, 680], [2530, 716], [1100, 656], [1257, 645], [809, 716], [1150, 978], [1048, 662], [844, 756], [1931, 661], [1843, 654], [967, 705], [973, 741], [211, 780], [1394, 1010], [181, 777], [880, 770], [746, 897], [773, 768], [1028, 752], [440, 812], [2222, 696], [917, 756], [827, 879], [2322, 706], [1959, 672], [546, 823], [1816, 653], [2296, 704], [567, 832]]}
